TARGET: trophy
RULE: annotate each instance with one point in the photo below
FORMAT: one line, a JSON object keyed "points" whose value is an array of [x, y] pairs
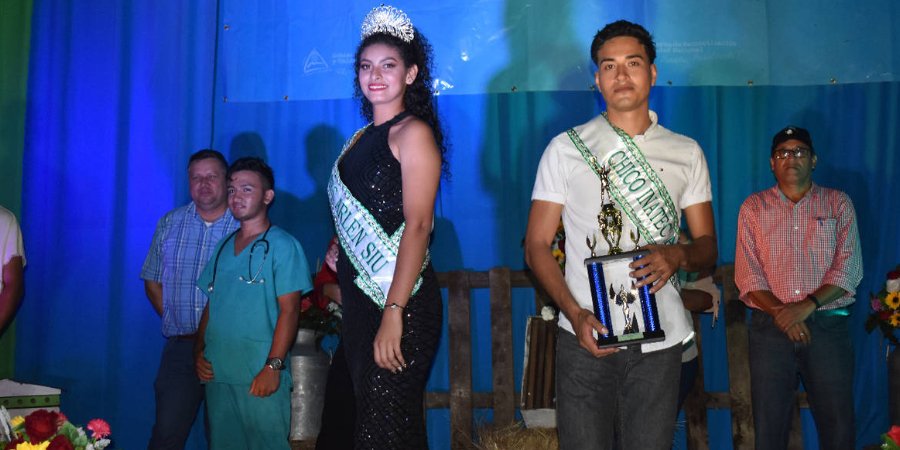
{"points": [[635, 319]]}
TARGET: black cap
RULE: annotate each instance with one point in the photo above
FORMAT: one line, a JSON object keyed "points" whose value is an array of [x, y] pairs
{"points": [[791, 132]]}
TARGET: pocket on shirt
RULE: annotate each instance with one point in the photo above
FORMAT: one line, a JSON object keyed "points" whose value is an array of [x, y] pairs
{"points": [[823, 239]]}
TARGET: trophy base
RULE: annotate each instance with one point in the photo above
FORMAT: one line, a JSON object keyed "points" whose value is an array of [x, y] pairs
{"points": [[631, 339], [628, 313]]}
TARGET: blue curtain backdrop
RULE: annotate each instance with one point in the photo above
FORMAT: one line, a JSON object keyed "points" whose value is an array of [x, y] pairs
{"points": [[121, 94]]}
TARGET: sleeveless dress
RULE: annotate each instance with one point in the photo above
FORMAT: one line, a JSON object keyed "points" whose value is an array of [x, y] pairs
{"points": [[389, 406]]}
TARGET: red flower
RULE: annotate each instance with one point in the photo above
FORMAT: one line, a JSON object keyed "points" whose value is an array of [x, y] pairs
{"points": [[884, 315], [322, 301], [11, 445], [41, 425], [60, 442], [893, 275], [305, 304], [99, 428], [894, 434]]}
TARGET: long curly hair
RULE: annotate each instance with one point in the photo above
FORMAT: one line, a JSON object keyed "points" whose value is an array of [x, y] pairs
{"points": [[418, 98]]}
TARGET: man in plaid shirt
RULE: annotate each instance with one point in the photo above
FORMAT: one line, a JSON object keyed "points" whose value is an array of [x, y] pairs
{"points": [[797, 264], [182, 245]]}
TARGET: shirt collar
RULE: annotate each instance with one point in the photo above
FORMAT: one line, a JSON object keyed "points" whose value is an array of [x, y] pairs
{"points": [[812, 192], [651, 130], [192, 211]]}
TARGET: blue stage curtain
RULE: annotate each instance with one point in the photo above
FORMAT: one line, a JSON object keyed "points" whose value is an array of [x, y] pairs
{"points": [[121, 94]]}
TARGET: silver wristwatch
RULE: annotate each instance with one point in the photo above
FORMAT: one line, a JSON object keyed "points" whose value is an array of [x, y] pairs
{"points": [[275, 363]]}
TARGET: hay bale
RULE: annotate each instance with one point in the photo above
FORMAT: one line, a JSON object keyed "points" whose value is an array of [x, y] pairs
{"points": [[515, 437]]}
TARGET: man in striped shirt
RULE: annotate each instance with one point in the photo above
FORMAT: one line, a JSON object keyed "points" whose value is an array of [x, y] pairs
{"points": [[182, 245], [797, 264]]}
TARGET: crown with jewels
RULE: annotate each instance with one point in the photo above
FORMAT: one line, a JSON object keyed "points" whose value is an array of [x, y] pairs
{"points": [[390, 20]]}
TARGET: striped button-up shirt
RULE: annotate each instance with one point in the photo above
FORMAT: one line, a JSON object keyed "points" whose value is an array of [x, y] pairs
{"points": [[793, 249], [182, 245]]}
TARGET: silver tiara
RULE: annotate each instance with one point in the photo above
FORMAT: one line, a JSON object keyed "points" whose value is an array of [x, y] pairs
{"points": [[390, 20]]}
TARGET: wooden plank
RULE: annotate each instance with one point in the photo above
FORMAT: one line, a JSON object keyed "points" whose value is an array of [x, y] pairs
{"points": [[539, 361], [460, 360], [738, 362], [501, 347], [695, 403], [549, 397], [530, 369], [717, 400], [441, 400], [482, 280]]}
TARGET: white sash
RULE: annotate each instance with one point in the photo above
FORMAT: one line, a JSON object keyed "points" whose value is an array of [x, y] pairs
{"points": [[634, 186], [371, 251]]}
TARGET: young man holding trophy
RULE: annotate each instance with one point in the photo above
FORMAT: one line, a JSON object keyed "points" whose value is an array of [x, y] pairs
{"points": [[622, 322]]}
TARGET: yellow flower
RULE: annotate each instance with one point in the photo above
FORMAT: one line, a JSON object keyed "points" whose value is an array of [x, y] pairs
{"points": [[30, 446], [16, 421], [892, 300], [894, 320]]}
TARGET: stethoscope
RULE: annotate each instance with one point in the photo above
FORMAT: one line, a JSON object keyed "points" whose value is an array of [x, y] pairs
{"points": [[250, 279]]}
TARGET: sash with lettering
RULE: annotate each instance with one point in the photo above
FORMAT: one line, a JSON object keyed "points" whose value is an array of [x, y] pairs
{"points": [[633, 184], [370, 249]]}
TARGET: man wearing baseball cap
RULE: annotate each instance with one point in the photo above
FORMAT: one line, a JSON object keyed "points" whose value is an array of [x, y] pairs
{"points": [[797, 264]]}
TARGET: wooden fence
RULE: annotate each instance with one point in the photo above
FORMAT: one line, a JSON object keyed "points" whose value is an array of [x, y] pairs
{"points": [[504, 397]]}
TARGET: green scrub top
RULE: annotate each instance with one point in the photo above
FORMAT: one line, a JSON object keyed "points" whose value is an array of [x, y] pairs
{"points": [[242, 315]]}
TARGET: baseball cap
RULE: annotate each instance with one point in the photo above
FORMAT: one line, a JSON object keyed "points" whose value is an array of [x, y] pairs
{"points": [[792, 132]]}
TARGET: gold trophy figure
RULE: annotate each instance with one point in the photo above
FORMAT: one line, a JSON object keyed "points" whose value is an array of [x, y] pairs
{"points": [[610, 218]]}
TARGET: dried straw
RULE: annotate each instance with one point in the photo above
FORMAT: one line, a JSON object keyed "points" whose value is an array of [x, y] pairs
{"points": [[515, 437]]}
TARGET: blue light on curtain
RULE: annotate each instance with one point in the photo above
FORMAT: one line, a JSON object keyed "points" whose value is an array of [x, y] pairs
{"points": [[304, 51], [120, 94]]}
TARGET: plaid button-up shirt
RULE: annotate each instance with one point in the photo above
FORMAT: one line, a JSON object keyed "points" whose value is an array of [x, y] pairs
{"points": [[182, 245], [793, 249]]}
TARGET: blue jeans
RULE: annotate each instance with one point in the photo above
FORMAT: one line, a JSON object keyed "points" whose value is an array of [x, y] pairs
{"points": [[825, 366], [179, 395], [627, 397]]}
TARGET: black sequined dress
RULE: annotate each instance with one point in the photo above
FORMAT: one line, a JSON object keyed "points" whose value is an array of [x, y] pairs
{"points": [[389, 406]]}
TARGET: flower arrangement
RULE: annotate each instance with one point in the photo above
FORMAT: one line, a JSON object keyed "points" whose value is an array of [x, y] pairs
{"points": [[318, 309], [319, 313], [886, 307], [891, 439], [48, 430]]}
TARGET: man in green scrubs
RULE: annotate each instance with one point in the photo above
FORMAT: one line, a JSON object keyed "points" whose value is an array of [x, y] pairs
{"points": [[254, 284]]}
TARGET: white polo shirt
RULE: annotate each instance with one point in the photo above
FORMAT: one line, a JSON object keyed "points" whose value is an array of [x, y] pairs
{"points": [[564, 177]]}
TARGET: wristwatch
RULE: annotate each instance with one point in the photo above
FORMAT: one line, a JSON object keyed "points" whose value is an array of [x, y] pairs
{"points": [[275, 363]]}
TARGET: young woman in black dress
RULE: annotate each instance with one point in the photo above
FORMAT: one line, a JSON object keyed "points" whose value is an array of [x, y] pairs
{"points": [[390, 170]]}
